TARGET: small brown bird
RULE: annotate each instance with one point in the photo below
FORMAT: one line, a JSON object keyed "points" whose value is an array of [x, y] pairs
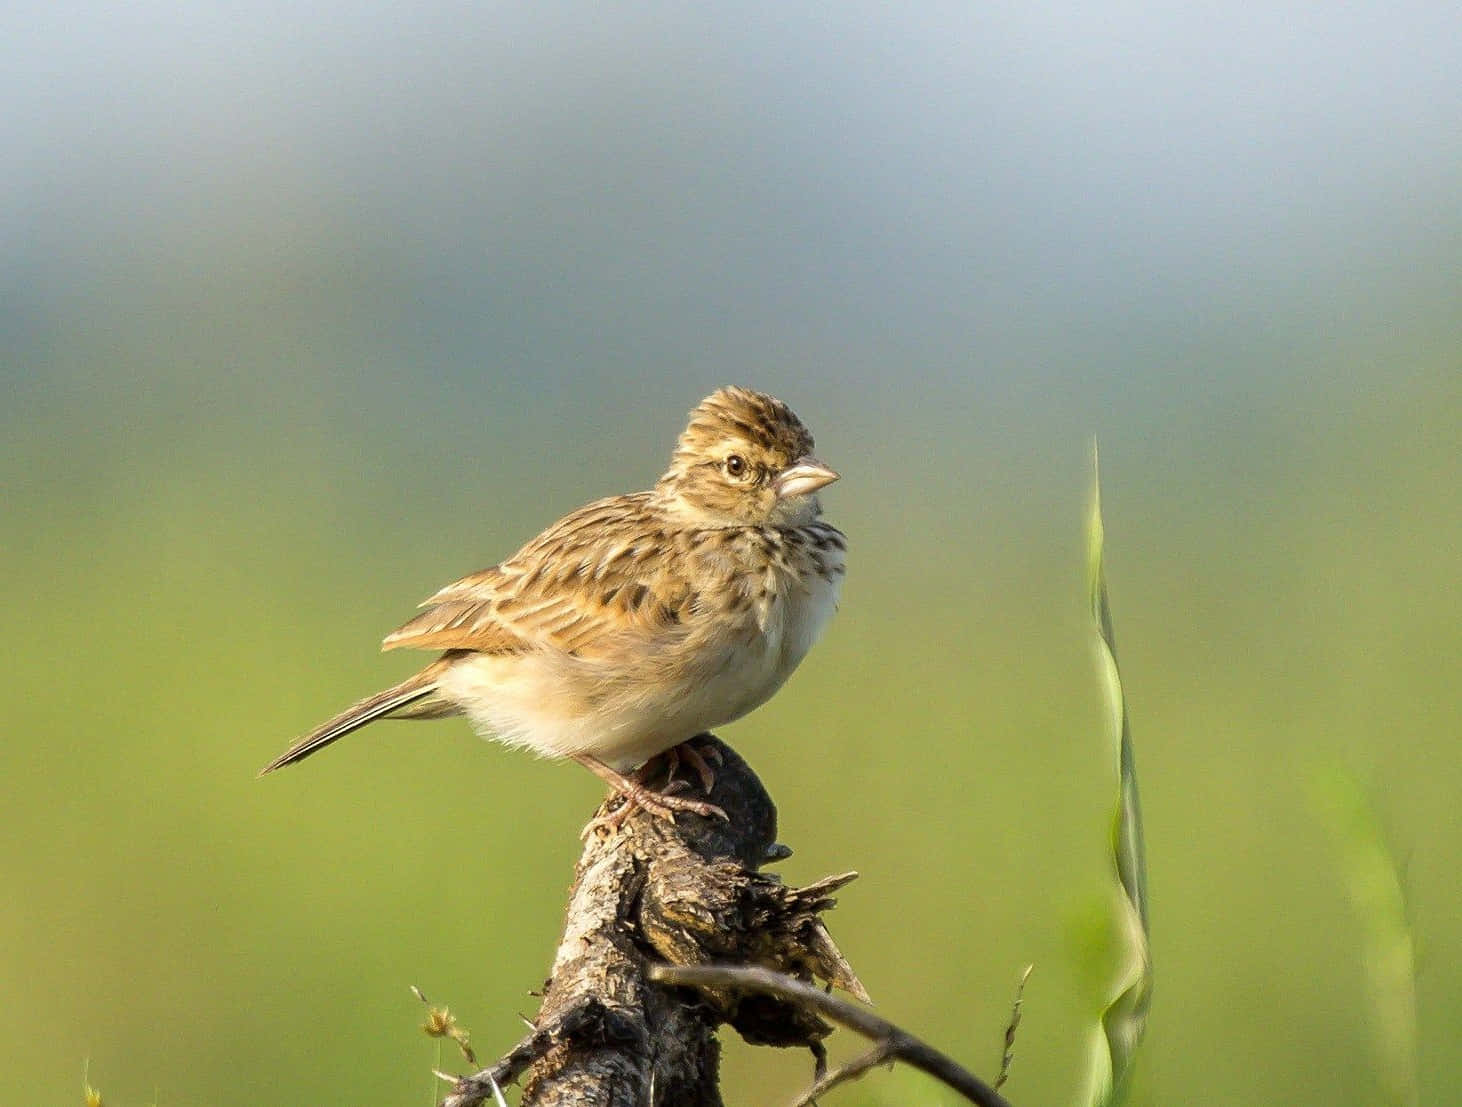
{"points": [[640, 621]]}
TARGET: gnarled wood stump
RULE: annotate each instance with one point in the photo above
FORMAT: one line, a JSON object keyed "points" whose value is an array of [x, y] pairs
{"points": [[687, 893]]}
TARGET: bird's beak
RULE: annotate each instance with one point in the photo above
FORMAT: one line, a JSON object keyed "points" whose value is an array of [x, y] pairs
{"points": [[804, 475]]}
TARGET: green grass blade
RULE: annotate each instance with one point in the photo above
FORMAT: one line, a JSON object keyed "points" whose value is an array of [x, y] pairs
{"points": [[1124, 1019], [1378, 895]]}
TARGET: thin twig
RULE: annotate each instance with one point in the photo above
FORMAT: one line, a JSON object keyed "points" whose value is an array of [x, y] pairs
{"points": [[467, 1091], [497, 1093], [900, 1044], [1011, 1027], [845, 1073]]}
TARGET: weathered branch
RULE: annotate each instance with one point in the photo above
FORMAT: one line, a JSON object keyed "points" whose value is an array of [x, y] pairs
{"points": [[682, 894], [672, 931], [891, 1042]]}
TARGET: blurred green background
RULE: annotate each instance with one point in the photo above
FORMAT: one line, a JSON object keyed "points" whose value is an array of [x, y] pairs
{"points": [[309, 310]]}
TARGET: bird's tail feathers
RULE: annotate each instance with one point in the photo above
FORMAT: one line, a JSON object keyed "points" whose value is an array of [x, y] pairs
{"points": [[409, 699]]}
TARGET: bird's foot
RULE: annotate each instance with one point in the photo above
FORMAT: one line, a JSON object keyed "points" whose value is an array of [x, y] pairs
{"points": [[635, 794], [696, 759]]}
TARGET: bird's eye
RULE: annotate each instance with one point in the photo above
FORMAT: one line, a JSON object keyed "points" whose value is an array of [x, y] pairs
{"points": [[736, 465]]}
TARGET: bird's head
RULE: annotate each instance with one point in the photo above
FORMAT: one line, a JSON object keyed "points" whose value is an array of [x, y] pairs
{"points": [[744, 460]]}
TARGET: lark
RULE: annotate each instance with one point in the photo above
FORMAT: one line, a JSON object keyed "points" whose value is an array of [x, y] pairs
{"points": [[641, 621]]}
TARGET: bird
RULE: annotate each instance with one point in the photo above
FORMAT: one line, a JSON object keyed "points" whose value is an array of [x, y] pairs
{"points": [[641, 621]]}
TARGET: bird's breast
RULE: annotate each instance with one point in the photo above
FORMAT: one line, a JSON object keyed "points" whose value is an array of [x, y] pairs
{"points": [[797, 596]]}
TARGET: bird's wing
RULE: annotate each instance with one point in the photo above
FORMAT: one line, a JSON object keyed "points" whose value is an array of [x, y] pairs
{"points": [[601, 576]]}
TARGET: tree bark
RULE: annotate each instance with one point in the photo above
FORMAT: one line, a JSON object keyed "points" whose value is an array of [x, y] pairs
{"points": [[684, 893]]}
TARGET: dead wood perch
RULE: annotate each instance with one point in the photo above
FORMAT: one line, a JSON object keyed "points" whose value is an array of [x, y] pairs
{"points": [[891, 1043], [682, 894]]}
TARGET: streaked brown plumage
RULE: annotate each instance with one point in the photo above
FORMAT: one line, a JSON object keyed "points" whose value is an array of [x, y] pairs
{"points": [[639, 621]]}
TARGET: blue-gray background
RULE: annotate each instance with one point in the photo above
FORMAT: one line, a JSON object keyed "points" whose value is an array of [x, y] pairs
{"points": [[307, 310]]}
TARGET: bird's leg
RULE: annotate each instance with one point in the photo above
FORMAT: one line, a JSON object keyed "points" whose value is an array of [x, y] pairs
{"points": [[660, 804], [642, 776], [672, 763], [698, 761]]}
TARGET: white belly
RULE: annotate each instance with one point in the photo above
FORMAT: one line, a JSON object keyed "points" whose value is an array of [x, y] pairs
{"points": [[792, 624], [625, 710]]}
